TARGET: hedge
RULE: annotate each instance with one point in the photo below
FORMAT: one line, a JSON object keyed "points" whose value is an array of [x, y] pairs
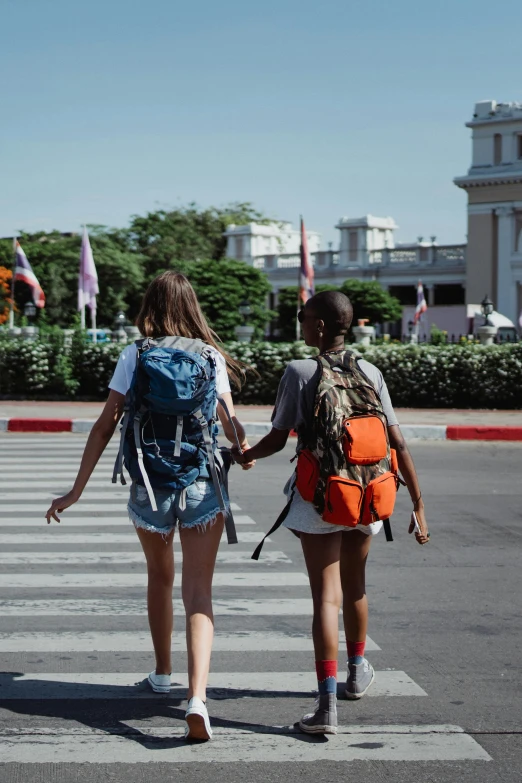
{"points": [[425, 376]]}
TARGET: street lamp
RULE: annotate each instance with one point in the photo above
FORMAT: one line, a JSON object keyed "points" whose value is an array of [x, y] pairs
{"points": [[245, 310], [119, 335], [487, 308], [29, 310], [244, 332]]}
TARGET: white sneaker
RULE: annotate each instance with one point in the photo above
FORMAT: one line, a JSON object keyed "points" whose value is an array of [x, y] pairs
{"points": [[160, 683], [198, 723]]}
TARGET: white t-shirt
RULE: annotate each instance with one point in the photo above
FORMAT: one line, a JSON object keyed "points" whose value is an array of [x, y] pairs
{"points": [[122, 378]]}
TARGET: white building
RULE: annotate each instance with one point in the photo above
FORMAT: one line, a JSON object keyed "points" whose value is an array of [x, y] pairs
{"points": [[254, 242], [494, 188], [455, 277]]}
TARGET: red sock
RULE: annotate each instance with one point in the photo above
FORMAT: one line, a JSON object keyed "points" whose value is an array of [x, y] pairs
{"points": [[326, 676], [355, 649]]}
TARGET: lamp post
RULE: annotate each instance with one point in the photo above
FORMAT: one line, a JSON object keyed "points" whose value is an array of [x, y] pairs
{"points": [[119, 335], [487, 308], [29, 332], [244, 331], [487, 332]]}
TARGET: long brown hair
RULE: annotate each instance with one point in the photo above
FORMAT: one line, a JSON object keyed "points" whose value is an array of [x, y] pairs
{"points": [[170, 307]]}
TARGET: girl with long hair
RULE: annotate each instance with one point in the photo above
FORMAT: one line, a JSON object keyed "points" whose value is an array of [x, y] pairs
{"points": [[170, 308]]}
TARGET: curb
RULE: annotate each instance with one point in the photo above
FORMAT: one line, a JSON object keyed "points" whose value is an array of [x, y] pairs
{"points": [[254, 428]]}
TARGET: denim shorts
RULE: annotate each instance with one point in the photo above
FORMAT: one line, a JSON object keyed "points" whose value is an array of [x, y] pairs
{"points": [[199, 508]]}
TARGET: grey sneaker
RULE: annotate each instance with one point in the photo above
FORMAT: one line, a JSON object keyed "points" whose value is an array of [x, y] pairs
{"points": [[360, 677], [324, 718]]}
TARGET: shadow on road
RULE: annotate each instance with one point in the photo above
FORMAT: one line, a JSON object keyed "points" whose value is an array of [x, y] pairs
{"points": [[111, 713]]}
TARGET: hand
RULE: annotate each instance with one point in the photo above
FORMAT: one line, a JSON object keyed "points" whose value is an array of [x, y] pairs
{"points": [[240, 458], [423, 537], [60, 504]]}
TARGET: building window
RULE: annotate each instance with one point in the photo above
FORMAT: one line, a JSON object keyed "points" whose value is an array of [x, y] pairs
{"points": [[352, 247], [449, 294], [519, 146], [406, 294], [497, 149], [239, 248]]}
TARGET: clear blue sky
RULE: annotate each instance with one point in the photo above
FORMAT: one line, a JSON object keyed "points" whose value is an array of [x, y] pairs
{"points": [[324, 108]]}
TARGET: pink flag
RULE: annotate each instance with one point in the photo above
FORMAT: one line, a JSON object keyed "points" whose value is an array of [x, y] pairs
{"points": [[88, 278]]}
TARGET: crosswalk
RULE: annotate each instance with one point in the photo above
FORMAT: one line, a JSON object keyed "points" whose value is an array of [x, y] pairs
{"points": [[73, 615]]}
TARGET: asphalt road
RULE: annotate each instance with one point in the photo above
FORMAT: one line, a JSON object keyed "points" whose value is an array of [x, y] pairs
{"points": [[445, 630]]}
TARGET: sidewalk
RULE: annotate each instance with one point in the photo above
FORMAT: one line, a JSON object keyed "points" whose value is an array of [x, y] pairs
{"points": [[438, 423]]}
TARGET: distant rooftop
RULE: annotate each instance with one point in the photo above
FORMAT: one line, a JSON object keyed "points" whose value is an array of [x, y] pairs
{"points": [[491, 111]]}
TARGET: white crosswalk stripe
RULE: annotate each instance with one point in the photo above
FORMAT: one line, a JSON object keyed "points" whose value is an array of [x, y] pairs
{"points": [[128, 686], [84, 582], [112, 641], [275, 745]]}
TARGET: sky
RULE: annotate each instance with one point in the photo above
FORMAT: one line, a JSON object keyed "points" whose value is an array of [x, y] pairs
{"points": [[326, 109]]}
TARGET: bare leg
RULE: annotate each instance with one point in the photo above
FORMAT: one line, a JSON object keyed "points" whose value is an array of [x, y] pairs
{"points": [[354, 552], [322, 553], [199, 558], [160, 568]]}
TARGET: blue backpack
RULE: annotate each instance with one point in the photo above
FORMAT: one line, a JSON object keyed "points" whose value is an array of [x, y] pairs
{"points": [[172, 405]]}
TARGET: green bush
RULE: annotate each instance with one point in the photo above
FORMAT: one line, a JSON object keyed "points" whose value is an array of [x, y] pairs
{"points": [[451, 376], [424, 376]]}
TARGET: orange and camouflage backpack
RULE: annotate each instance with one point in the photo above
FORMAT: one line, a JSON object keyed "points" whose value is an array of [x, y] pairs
{"points": [[345, 465]]}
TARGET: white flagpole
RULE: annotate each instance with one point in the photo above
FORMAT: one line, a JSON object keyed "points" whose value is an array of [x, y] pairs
{"points": [[11, 309], [93, 323]]}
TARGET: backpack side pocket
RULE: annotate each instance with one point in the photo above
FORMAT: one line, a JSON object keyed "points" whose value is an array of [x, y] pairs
{"points": [[344, 499], [307, 474], [379, 498]]}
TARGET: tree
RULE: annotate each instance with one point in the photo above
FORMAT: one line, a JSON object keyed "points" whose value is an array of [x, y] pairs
{"points": [[5, 293], [186, 234], [55, 259], [221, 286], [370, 300]]}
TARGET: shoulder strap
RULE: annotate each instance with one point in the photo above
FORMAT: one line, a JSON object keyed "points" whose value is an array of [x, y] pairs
{"points": [[277, 524], [227, 513]]}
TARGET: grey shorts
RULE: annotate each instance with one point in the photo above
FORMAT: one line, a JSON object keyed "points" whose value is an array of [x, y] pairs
{"points": [[303, 518], [198, 508]]}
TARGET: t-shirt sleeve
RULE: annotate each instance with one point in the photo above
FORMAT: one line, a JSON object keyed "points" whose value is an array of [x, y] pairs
{"points": [[287, 413], [122, 377], [376, 377], [222, 380]]}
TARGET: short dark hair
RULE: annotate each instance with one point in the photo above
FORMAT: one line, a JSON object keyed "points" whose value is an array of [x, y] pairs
{"points": [[335, 309]]}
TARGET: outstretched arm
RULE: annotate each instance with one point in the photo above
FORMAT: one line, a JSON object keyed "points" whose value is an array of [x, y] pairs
{"points": [[409, 474], [273, 442], [99, 436]]}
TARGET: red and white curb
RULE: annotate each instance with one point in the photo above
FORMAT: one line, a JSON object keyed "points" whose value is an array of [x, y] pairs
{"points": [[257, 428]]}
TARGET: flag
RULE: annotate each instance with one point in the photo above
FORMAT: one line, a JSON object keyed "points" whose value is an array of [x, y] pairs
{"points": [[23, 271], [421, 304], [88, 277], [306, 275]]}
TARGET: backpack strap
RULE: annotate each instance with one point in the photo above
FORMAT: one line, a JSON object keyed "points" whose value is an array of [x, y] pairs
{"points": [[207, 438], [277, 524], [118, 464], [141, 345], [139, 451], [387, 529], [179, 433]]}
